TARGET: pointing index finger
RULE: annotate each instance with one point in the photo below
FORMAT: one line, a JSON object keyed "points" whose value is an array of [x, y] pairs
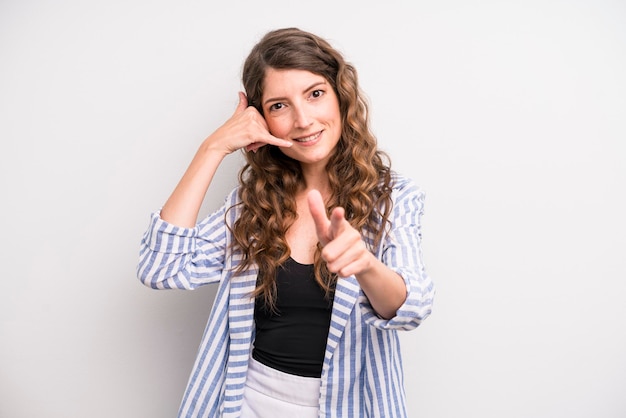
{"points": [[318, 213]]}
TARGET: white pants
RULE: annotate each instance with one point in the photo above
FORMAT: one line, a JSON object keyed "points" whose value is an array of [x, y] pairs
{"points": [[270, 393]]}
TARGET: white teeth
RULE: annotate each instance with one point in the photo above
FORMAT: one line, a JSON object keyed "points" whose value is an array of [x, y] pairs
{"points": [[309, 138]]}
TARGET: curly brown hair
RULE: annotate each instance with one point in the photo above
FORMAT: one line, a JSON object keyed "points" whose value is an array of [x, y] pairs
{"points": [[359, 173]]}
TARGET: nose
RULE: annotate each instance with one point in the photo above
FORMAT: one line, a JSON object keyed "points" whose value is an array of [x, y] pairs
{"points": [[301, 118]]}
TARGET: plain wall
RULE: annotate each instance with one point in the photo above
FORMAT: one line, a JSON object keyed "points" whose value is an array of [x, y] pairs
{"points": [[509, 114]]}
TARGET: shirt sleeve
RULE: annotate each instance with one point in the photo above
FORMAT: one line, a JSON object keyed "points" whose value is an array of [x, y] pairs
{"points": [[172, 257], [402, 252]]}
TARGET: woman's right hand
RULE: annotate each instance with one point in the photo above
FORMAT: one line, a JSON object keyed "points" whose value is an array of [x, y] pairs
{"points": [[246, 129]]}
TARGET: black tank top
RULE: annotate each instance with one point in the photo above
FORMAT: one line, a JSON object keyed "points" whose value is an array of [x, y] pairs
{"points": [[293, 339]]}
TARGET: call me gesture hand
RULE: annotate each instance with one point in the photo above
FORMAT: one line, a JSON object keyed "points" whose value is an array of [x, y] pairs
{"points": [[246, 129], [345, 253]]}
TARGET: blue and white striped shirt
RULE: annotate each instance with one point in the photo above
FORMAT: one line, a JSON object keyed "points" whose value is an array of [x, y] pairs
{"points": [[362, 374]]}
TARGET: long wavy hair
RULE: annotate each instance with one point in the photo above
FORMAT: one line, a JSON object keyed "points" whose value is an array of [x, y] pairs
{"points": [[359, 173]]}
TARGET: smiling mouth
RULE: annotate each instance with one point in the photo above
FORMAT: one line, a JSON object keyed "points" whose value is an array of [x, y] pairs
{"points": [[309, 138]]}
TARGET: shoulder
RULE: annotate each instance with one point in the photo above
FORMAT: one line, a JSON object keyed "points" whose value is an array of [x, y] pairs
{"points": [[232, 204], [233, 197], [404, 187]]}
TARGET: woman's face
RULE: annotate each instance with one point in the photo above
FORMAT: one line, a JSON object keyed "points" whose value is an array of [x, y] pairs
{"points": [[302, 107]]}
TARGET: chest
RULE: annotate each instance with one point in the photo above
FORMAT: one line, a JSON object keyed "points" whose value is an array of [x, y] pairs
{"points": [[301, 236]]}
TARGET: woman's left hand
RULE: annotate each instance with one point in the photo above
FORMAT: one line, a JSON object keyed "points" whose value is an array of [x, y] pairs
{"points": [[343, 249], [345, 253]]}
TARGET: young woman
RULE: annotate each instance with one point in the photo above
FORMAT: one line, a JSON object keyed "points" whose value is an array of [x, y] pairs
{"points": [[316, 252]]}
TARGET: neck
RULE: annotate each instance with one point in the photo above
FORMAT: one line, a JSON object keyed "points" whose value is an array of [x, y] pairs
{"points": [[316, 178]]}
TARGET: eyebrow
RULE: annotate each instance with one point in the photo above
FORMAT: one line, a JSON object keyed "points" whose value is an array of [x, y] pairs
{"points": [[277, 99]]}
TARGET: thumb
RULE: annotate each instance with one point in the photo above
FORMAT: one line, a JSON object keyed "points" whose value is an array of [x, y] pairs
{"points": [[318, 213], [243, 102]]}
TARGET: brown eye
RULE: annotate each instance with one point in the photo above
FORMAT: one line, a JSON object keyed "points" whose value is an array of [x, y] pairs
{"points": [[276, 106]]}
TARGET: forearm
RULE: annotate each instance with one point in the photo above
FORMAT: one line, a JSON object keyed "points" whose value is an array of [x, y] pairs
{"points": [[183, 205], [385, 289]]}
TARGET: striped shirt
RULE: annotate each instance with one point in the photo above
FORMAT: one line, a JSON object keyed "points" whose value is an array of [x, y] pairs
{"points": [[362, 374]]}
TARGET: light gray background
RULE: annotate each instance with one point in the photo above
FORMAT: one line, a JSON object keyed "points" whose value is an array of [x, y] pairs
{"points": [[509, 114]]}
